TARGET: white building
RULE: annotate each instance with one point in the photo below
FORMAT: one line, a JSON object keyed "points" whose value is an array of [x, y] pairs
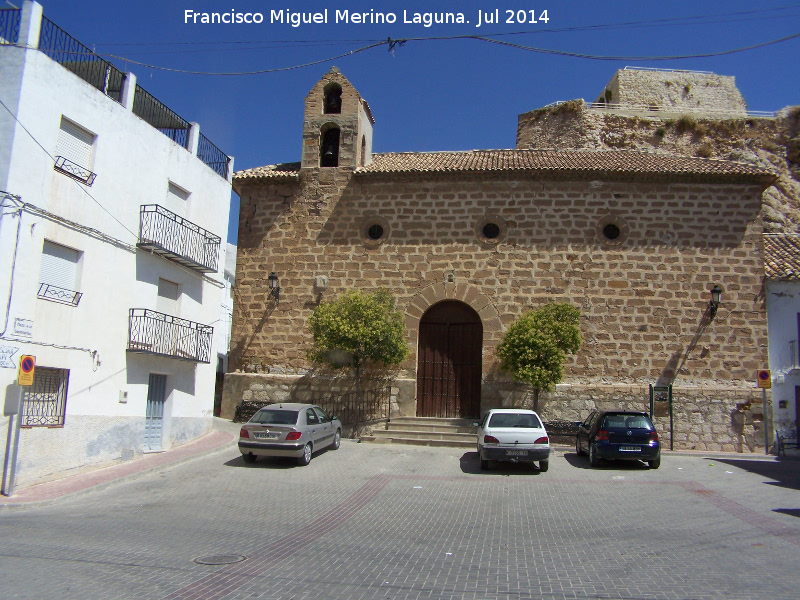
{"points": [[782, 254], [113, 212]]}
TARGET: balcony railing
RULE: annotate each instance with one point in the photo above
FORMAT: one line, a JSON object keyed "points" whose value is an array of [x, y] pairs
{"points": [[152, 332], [74, 170], [75, 57], [9, 25], [173, 237], [57, 294]]}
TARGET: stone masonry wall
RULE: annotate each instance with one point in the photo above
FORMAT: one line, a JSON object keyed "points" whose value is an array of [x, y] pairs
{"points": [[771, 143], [679, 89], [642, 297]]}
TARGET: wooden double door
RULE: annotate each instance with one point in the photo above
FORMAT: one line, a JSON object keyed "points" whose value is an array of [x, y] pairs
{"points": [[449, 361]]}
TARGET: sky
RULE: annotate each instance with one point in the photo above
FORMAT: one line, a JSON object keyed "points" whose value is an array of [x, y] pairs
{"points": [[430, 88]]}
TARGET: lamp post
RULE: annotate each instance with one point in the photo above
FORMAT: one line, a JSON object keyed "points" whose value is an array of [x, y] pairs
{"points": [[274, 288], [713, 304]]}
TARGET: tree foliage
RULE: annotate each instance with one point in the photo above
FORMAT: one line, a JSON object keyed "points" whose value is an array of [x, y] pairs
{"points": [[356, 329], [535, 347]]}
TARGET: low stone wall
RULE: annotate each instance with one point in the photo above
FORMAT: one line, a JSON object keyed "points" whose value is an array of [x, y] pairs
{"points": [[720, 419]]}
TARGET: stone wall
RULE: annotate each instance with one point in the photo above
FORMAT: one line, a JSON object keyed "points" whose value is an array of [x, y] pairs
{"points": [[642, 296], [686, 90], [771, 143], [720, 419]]}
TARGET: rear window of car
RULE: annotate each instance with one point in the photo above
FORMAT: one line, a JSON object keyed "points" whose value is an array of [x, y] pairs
{"points": [[522, 420], [275, 417], [626, 422]]}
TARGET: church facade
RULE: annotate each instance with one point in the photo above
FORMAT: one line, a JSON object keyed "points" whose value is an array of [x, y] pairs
{"points": [[468, 241]]}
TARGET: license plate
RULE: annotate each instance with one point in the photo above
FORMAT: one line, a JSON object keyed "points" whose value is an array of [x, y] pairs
{"points": [[630, 449], [260, 435], [516, 453]]}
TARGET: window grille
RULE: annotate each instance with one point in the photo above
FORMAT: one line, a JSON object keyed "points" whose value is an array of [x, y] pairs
{"points": [[44, 403]]}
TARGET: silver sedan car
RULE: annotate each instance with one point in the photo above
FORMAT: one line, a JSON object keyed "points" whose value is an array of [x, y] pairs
{"points": [[513, 434], [291, 430]]}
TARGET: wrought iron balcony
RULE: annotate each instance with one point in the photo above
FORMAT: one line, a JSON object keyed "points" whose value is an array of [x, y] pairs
{"points": [[152, 332], [173, 237], [57, 294], [74, 170]]}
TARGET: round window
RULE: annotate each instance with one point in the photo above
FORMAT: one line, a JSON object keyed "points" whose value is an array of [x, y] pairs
{"points": [[612, 231], [491, 231], [374, 230]]}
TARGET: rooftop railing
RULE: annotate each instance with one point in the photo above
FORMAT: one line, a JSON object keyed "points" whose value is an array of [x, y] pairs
{"points": [[153, 332], [9, 25], [104, 76], [74, 56], [213, 156], [160, 116], [178, 239]]}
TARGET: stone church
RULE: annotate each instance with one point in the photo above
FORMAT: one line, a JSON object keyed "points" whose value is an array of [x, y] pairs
{"points": [[468, 241]]}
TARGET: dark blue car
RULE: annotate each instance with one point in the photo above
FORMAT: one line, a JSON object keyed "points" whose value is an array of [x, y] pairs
{"points": [[619, 435]]}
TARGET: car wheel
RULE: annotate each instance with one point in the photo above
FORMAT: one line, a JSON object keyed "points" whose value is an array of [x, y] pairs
{"points": [[594, 460], [249, 458], [337, 440], [655, 463], [484, 464], [578, 450], [544, 465], [305, 458]]}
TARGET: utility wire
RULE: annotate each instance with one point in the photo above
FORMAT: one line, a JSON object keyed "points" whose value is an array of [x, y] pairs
{"points": [[84, 190], [399, 42]]}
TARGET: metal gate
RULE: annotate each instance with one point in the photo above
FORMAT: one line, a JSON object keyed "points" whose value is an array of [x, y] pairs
{"points": [[154, 417], [449, 362]]}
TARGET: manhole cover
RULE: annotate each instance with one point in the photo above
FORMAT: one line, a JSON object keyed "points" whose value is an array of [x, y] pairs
{"points": [[219, 559]]}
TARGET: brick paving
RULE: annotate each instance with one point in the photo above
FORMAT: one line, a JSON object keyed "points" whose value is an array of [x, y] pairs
{"points": [[393, 522]]}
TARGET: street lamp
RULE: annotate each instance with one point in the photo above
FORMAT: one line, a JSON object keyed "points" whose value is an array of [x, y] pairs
{"points": [[274, 288], [713, 304]]}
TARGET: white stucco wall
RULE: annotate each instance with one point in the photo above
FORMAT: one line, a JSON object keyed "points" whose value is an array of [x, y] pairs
{"points": [[134, 164], [783, 308]]}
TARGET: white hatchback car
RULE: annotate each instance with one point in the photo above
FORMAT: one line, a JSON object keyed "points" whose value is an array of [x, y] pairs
{"points": [[513, 434]]}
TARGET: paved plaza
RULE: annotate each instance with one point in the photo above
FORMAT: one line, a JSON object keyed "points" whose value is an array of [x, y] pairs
{"points": [[400, 522]]}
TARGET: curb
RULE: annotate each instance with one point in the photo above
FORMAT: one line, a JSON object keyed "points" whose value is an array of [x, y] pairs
{"points": [[50, 492]]}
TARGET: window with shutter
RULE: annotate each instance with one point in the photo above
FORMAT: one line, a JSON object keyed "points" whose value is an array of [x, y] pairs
{"points": [[59, 273], [75, 144]]}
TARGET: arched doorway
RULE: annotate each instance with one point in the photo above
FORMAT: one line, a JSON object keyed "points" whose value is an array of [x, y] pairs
{"points": [[449, 361]]}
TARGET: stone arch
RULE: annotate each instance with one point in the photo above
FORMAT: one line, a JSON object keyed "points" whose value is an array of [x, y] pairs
{"points": [[419, 304]]}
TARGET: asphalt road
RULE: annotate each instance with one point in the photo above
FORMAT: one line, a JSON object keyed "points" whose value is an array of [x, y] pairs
{"points": [[395, 522]]}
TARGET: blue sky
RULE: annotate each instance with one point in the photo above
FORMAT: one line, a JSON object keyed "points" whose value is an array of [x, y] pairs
{"points": [[426, 94]]}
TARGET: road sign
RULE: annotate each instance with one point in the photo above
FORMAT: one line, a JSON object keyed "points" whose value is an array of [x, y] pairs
{"points": [[765, 379], [27, 363]]}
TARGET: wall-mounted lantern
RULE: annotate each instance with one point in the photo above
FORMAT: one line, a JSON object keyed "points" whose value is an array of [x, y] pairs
{"points": [[274, 288], [713, 304]]}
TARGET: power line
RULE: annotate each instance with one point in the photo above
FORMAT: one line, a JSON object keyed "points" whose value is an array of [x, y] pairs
{"points": [[393, 43]]}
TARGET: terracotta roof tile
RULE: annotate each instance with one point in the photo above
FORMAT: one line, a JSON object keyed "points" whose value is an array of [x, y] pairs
{"points": [[782, 256], [574, 163], [282, 171], [586, 162]]}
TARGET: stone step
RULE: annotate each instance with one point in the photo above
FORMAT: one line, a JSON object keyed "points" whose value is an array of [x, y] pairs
{"points": [[424, 435], [373, 439], [434, 421], [432, 427]]}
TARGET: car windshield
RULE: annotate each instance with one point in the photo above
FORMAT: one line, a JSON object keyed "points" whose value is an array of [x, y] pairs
{"points": [[515, 420], [275, 417], [627, 422]]}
